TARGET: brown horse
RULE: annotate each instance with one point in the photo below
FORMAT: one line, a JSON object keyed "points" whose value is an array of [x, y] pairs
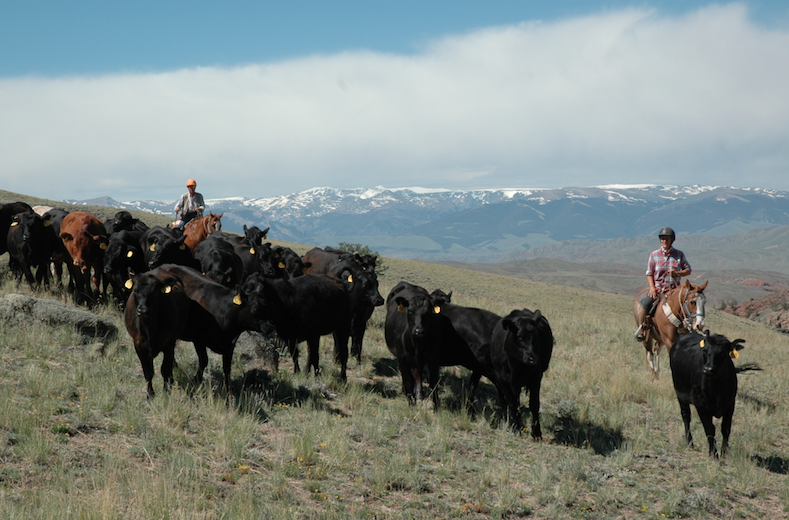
{"points": [[198, 229], [679, 311]]}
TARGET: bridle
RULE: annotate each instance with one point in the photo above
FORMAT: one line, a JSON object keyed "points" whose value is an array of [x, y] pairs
{"points": [[684, 309]]}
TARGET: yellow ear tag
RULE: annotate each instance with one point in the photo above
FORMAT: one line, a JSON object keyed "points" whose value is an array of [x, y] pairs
{"points": [[436, 309], [182, 246], [47, 223], [166, 289], [251, 250], [701, 344], [129, 284], [281, 265], [102, 246], [264, 237], [228, 279], [401, 308], [130, 254], [153, 247], [350, 278], [14, 224], [734, 354], [237, 299], [305, 270]]}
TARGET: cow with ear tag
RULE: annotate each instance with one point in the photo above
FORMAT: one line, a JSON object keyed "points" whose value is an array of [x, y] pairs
{"points": [[218, 314], [156, 315], [705, 376], [520, 352], [29, 246]]}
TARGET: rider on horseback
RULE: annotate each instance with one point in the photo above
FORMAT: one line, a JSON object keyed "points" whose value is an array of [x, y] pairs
{"points": [[190, 205], [665, 268]]}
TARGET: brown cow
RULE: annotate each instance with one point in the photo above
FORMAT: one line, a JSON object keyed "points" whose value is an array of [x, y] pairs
{"points": [[85, 239]]}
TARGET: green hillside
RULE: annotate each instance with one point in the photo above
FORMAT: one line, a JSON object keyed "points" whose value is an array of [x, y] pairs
{"points": [[78, 439]]}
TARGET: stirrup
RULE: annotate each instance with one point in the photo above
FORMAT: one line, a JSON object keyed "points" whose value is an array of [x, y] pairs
{"points": [[639, 333]]}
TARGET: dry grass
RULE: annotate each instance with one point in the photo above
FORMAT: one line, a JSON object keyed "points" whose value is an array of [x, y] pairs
{"points": [[79, 440]]}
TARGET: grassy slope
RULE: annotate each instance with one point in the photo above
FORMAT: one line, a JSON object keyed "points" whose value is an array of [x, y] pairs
{"points": [[78, 438]]}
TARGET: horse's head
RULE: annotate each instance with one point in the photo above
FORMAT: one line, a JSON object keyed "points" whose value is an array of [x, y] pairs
{"points": [[214, 222], [693, 305]]}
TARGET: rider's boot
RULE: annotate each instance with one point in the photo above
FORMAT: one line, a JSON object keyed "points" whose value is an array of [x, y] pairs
{"points": [[643, 329]]}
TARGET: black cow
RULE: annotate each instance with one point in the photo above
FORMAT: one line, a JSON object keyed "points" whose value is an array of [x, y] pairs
{"points": [[520, 352], [364, 298], [255, 257], [123, 220], [219, 261], [705, 376], [306, 308], [163, 246], [7, 212], [122, 259], [60, 254], [30, 245], [254, 236], [418, 334], [476, 327], [156, 315], [218, 315], [287, 264]]}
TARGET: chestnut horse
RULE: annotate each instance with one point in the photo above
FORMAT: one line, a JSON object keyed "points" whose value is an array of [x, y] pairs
{"points": [[679, 311], [198, 229]]}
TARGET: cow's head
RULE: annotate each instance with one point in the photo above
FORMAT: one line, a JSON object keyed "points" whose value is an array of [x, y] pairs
{"points": [[168, 251], [148, 291], [251, 295], [419, 310], [717, 353], [366, 282], [84, 248], [529, 339]]}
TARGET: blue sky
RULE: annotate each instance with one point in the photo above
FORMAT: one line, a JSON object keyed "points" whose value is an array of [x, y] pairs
{"points": [[128, 99]]}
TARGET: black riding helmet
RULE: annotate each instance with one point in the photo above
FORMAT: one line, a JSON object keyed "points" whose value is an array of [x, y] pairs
{"points": [[667, 232]]}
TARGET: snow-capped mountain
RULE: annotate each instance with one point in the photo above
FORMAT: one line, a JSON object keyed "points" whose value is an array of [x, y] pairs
{"points": [[487, 224]]}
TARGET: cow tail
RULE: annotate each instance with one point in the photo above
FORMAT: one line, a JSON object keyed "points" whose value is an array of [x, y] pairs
{"points": [[746, 367]]}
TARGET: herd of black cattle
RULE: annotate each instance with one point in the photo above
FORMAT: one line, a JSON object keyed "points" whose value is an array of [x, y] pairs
{"points": [[211, 292]]}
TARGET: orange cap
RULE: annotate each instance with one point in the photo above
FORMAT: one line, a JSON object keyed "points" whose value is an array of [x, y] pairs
{"points": [[191, 182]]}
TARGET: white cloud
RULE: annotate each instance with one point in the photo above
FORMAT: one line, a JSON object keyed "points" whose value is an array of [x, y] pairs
{"points": [[624, 97]]}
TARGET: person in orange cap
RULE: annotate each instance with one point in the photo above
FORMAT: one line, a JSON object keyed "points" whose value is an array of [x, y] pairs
{"points": [[190, 205]]}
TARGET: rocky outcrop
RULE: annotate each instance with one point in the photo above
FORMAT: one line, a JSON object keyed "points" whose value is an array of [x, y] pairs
{"points": [[18, 309]]}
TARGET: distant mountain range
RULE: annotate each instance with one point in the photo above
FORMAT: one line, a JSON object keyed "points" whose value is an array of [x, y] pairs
{"points": [[495, 225]]}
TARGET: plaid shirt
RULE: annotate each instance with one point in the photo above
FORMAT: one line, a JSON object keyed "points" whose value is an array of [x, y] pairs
{"points": [[660, 262]]}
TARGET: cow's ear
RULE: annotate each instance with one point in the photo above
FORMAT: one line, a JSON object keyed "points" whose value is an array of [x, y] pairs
{"points": [[47, 222], [402, 303], [509, 326], [537, 315], [66, 237], [736, 346]]}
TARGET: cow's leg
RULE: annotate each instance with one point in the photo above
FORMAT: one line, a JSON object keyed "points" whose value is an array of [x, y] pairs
{"points": [[146, 360], [684, 410], [534, 407], [434, 373], [202, 361], [510, 402], [472, 388], [341, 353], [293, 348], [726, 430], [709, 429], [408, 380], [227, 363], [168, 361], [357, 336], [313, 355]]}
